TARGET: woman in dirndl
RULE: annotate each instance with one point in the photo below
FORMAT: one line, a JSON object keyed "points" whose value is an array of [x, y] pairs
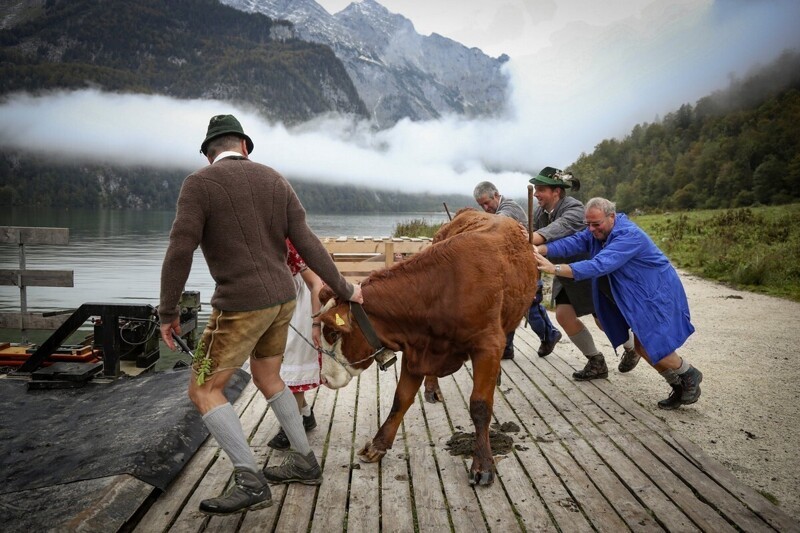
{"points": [[301, 361]]}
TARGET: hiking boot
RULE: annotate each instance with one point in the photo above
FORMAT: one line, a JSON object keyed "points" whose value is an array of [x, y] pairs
{"points": [[595, 369], [508, 353], [629, 361], [309, 422], [296, 467], [249, 491], [281, 441], [674, 399], [690, 381], [547, 346]]}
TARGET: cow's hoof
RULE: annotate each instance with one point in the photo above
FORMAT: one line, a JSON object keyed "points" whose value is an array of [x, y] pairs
{"points": [[370, 454], [481, 478], [434, 396]]}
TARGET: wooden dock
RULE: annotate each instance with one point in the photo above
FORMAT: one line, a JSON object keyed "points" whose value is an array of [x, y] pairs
{"points": [[586, 458]]}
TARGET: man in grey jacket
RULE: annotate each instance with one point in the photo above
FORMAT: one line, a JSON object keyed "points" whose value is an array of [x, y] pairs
{"points": [[491, 201], [558, 216], [240, 214]]}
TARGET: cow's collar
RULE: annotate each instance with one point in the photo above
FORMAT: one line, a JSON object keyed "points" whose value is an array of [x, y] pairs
{"points": [[383, 356]]}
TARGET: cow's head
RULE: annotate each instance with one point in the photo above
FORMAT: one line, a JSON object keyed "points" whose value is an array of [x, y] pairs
{"points": [[347, 351]]}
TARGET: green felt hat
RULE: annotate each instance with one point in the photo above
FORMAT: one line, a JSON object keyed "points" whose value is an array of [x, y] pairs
{"points": [[220, 125], [554, 177]]}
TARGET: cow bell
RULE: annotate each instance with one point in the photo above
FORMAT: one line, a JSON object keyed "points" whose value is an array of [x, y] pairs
{"points": [[385, 358]]}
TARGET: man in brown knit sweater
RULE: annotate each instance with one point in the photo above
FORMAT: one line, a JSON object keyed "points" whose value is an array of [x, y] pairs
{"points": [[240, 214]]}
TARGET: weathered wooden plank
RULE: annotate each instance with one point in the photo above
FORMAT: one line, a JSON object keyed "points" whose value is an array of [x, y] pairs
{"points": [[429, 499], [616, 494], [36, 278], [397, 513], [351, 246], [759, 505], [33, 235], [766, 510], [623, 453], [638, 497], [642, 473], [560, 504], [709, 495], [705, 517], [358, 268], [528, 505], [364, 505], [331, 508], [462, 502], [498, 511]]}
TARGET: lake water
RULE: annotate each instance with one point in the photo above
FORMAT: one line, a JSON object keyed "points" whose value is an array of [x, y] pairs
{"points": [[116, 255]]}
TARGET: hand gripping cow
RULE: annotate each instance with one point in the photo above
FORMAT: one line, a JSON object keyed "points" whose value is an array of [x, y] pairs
{"points": [[454, 301]]}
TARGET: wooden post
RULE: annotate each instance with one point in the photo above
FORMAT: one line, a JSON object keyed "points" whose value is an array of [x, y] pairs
{"points": [[530, 213], [23, 294]]}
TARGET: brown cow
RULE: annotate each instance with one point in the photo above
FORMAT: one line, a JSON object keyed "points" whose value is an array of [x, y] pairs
{"points": [[454, 301]]}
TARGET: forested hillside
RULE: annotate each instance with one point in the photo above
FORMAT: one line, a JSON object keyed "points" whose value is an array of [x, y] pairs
{"points": [[180, 48], [26, 181], [734, 148]]}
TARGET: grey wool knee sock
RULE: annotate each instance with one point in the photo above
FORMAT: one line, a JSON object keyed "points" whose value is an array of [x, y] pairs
{"points": [[670, 376], [628, 344], [226, 427], [288, 415], [585, 343]]}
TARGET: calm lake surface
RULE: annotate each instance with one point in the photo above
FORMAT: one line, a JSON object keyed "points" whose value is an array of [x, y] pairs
{"points": [[116, 255]]}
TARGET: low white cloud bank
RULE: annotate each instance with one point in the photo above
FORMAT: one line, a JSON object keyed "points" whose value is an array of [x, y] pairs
{"points": [[593, 82]]}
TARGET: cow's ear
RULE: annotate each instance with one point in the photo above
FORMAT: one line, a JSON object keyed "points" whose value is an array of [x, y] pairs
{"points": [[325, 294], [338, 319]]}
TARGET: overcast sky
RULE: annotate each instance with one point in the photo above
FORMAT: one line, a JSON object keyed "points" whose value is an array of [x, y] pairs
{"points": [[581, 71]]}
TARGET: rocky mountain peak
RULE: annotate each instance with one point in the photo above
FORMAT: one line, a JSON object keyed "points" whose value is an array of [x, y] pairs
{"points": [[397, 72]]}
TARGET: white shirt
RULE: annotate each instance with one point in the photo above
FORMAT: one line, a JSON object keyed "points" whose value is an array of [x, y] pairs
{"points": [[229, 153]]}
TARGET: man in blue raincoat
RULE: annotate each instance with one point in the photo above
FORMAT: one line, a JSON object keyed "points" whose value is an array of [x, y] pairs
{"points": [[634, 286]]}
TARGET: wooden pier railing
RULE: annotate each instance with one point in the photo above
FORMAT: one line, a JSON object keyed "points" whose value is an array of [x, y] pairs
{"points": [[24, 277], [357, 257]]}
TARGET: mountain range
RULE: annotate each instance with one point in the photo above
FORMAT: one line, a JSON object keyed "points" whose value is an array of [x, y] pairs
{"points": [[181, 48], [397, 72]]}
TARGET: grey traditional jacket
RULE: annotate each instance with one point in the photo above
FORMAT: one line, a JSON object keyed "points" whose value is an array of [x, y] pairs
{"points": [[566, 219], [509, 208]]}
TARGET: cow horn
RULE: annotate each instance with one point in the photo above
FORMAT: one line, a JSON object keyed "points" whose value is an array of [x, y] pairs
{"points": [[328, 305]]}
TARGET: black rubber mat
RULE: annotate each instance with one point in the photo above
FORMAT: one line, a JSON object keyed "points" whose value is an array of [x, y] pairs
{"points": [[144, 426]]}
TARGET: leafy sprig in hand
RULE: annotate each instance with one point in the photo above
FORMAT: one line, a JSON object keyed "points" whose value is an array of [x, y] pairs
{"points": [[201, 363]]}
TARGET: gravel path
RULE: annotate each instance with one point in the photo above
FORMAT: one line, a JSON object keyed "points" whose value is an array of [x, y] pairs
{"points": [[746, 345]]}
